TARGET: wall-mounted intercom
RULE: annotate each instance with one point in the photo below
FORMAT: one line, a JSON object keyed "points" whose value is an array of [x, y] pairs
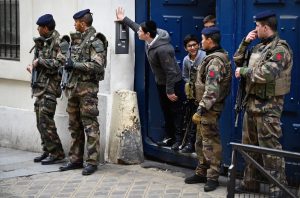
{"points": [[122, 38]]}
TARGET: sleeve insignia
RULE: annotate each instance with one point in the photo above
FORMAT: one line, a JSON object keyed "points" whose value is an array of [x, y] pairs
{"points": [[279, 56], [212, 74]]}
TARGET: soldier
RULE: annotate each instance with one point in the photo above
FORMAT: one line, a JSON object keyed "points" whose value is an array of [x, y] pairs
{"points": [[212, 86], [46, 89], [86, 65], [268, 79], [190, 64], [168, 77]]}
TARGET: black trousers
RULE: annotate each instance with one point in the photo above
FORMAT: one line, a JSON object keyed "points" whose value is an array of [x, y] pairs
{"points": [[173, 111]]}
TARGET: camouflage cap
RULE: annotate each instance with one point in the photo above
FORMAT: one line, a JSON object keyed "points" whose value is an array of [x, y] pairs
{"points": [[45, 20]]}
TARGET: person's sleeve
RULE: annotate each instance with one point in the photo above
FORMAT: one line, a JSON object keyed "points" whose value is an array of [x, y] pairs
{"points": [[212, 84], [239, 55], [131, 24], [168, 62]]}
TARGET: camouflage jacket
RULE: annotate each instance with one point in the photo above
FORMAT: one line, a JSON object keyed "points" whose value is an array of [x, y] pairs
{"points": [[268, 74], [89, 56], [215, 74], [48, 79]]}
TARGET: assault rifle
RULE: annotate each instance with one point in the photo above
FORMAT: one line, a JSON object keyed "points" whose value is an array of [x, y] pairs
{"points": [[66, 74], [39, 43], [241, 92]]}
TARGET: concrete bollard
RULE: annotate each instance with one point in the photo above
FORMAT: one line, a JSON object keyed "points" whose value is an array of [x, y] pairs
{"points": [[125, 140]]}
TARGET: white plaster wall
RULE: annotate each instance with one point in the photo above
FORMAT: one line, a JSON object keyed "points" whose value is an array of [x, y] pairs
{"points": [[17, 119]]}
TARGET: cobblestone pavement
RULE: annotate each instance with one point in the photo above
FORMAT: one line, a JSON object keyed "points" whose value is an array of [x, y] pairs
{"points": [[110, 180]]}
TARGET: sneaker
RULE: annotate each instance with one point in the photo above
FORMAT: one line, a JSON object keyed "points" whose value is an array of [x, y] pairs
{"points": [[210, 185], [165, 142], [195, 179], [175, 146], [189, 148]]}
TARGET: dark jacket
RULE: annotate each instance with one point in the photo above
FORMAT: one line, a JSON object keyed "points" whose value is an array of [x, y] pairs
{"points": [[161, 57]]}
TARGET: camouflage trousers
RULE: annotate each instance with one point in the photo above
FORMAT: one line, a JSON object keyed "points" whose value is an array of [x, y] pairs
{"points": [[83, 112], [208, 146], [263, 130], [45, 106]]}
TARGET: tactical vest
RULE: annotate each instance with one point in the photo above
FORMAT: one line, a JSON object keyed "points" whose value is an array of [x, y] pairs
{"points": [[48, 79], [281, 84], [81, 53], [202, 72]]}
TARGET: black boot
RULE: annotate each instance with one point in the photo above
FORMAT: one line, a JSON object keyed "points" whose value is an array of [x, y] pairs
{"points": [[195, 179], [70, 166], [89, 169], [51, 159], [243, 189], [41, 157], [210, 185]]}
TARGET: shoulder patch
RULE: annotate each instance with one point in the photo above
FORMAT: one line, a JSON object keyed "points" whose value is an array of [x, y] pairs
{"points": [[211, 73], [278, 56]]}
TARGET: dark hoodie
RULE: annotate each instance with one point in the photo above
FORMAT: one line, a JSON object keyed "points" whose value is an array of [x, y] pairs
{"points": [[161, 57]]}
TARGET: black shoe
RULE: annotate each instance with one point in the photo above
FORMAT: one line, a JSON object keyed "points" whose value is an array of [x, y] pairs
{"points": [[189, 148], [165, 142], [210, 185], [278, 194], [242, 189], [195, 179], [175, 146], [70, 166], [51, 160], [41, 157], [89, 169]]}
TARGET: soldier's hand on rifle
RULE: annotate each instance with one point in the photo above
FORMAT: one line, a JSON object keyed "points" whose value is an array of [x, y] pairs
{"points": [[69, 65], [197, 116], [29, 68], [35, 63]]}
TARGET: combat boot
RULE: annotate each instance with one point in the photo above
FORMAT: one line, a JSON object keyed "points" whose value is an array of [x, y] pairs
{"points": [[89, 169], [51, 159], [41, 157], [71, 166], [210, 185], [195, 179]]}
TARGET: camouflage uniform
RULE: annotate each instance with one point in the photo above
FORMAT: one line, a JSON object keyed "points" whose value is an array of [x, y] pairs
{"points": [[268, 78], [46, 90], [212, 86], [89, 57]]}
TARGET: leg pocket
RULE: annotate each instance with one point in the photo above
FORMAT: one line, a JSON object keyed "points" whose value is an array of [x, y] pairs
{"points": [[48, 106]]}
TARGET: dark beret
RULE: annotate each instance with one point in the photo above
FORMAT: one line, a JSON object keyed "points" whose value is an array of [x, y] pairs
{"points": [[45, 20], [263, 15], [210, 30], [81, 13]]}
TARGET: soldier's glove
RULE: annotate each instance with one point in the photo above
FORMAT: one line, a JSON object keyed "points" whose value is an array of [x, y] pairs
{"points": [[197, 116], [69, 65], [188, 90]]}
